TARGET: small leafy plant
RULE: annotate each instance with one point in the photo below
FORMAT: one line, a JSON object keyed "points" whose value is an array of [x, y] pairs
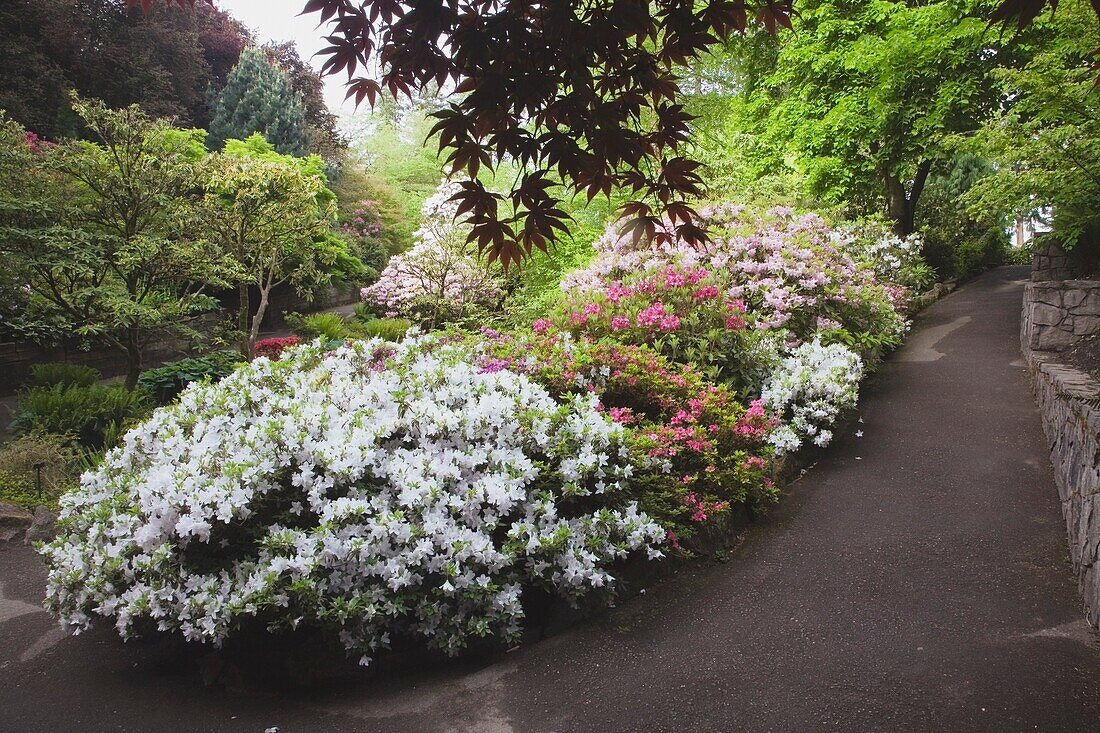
{"points": [[91, 414], [165, 383], [66, 375]]}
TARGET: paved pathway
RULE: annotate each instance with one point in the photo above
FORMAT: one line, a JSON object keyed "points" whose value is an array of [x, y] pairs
{"points": [[916, 579]]}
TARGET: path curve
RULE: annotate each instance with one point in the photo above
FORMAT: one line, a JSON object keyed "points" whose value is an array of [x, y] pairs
{"points": [[916, 579]]}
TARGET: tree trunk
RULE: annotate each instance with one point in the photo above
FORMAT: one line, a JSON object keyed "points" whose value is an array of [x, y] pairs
{"points": [[257, 320], [902, 203], [133, 363], [242, 321], [899, 206]]}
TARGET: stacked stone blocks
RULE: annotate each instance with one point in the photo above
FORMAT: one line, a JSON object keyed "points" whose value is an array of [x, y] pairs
{"points": [[1056, 313]]}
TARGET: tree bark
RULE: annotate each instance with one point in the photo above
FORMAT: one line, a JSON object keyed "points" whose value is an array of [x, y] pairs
{"points": [[902, 203], [897, 202], [242, 321], [133, 362], [257, 321]]}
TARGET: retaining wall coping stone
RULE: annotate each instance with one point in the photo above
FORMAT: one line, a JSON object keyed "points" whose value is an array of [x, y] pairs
{"points": [[1071, 422]]}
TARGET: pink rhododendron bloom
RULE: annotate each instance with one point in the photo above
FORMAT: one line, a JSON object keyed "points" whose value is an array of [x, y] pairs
{"points": [[706, 292], [578, 319], [784, 268], [616, 291], [675, 279], [652, 315], [620, 323], [542, 325], [623, 415]]}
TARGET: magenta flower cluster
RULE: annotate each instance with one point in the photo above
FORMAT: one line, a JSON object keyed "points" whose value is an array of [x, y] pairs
{"points": [[365, 221], [788, 271]]}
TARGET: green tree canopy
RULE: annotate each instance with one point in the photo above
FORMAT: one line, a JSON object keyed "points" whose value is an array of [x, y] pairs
{"points": [[325, 139], [273, 221], [1047, 143], [93, 231], [165, 61], [258, 98], [863, 97]]}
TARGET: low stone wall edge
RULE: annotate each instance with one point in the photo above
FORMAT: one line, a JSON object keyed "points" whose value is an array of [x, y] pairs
{"points": [[1071, 421]]}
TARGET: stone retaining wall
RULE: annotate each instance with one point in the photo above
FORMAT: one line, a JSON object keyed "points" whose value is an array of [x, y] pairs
{"points": [[1053, 314], [1050, 262], [1057, 313]]}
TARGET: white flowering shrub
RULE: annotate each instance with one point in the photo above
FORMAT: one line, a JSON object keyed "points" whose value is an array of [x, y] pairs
{"points": [[442, 276], [373, 490], [809, 389], [897, 261]]}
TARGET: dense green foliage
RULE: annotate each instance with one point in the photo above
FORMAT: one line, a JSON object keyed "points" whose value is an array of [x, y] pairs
{"points": [[258, 97], [96, 232], [863, 96], [390, 329], [960, 242], [164, 383], [325, 139], [121, 241], [94, 415], [271, 216], [1046, 144], [331, 327], [37, 468], [67, 375]]}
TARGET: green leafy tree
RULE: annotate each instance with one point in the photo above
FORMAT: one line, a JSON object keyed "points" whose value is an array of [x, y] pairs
{"points": [[864, 96], [273, 221], [325, 139], [584, 93], [958, 242], [92, 231], [258, 98], [357, 189], [1047, 144]]}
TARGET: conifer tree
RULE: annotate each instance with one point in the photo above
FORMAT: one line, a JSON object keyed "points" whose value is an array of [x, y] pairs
{"points": [[258, 98]]}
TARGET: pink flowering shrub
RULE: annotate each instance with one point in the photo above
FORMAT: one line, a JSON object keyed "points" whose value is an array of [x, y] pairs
{"points": [[34, 142], [365, 221], [273, 348], [440, 279], [365, 232], [704, 451], [432, 284], [784, 270], [683, 311]]}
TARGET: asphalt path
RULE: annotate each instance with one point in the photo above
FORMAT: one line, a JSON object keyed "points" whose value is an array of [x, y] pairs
{"points": [[916, 579]]}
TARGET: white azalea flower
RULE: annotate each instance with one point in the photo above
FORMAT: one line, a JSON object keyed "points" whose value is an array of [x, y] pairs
{"points": [[317, 489]]}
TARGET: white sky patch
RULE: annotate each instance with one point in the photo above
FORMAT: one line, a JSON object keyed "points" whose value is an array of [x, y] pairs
{"points": [[279, 20]]}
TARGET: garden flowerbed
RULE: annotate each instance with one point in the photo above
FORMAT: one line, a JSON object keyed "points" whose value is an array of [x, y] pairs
{"points": [[446, 489]]}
